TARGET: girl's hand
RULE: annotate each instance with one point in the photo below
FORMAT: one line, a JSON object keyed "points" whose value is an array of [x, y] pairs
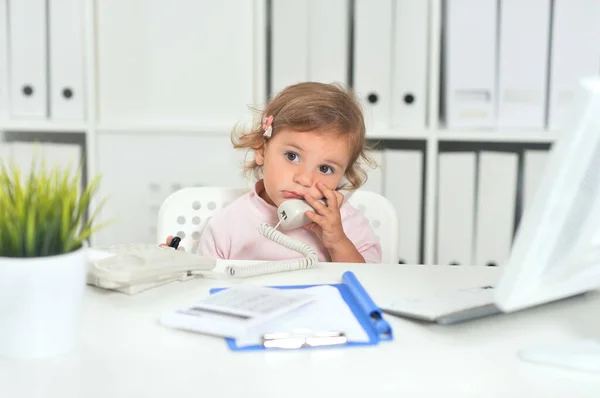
{"points": [[326, 220], [168, 241]]}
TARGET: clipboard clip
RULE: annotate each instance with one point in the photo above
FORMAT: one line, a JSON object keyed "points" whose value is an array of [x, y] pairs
{"points": [[303, 339]]}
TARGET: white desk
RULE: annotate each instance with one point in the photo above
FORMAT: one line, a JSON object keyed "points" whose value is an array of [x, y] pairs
{"points": [[126, 353]]}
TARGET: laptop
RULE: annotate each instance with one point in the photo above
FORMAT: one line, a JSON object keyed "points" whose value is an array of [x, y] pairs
{"points": [[556, 250]]}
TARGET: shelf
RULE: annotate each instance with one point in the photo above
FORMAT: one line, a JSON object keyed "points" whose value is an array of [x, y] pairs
{"points": [[496, 136], [399, 134], [44, 126], [510, 136], [155, 128]]}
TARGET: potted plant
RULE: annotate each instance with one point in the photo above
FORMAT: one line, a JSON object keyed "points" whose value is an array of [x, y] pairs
{"points": [[43, 232]]}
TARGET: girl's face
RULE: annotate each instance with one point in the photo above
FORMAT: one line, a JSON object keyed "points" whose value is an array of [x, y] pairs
{"points": [[294, 161]]}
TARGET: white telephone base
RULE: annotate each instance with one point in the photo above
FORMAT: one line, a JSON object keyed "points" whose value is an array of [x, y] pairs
{"points": [[133, 268]]}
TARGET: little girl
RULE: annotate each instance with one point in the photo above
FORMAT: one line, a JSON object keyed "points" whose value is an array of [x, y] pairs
{"points": [[312, 137]]}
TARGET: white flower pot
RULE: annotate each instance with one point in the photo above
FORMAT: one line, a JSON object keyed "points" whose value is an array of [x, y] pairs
{"points": [[40, 304]]}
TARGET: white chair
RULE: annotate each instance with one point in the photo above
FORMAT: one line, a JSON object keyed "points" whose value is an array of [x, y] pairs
{"points": [[185, 213], [384, 221]]}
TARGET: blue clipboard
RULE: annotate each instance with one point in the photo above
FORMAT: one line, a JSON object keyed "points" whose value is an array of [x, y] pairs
{"points": [[364, 309]]}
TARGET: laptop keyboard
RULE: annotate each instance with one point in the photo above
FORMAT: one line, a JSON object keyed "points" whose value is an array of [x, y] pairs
{"points": [[444, 303]]}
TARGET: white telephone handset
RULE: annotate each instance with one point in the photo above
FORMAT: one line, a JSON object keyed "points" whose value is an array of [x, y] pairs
{"points": [[292, 213]]}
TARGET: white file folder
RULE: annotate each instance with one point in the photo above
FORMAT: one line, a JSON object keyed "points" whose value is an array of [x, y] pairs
{"points": [[328, 31], [375, 175], [5, 150], [534, 163], [289, 43], [403, 186], [61, 155], [4, 89], [574, 53], [455, 208], [496, 205], [373, 60], [28, 59], [66, 59], [309, 42], [470, 63], [523, 64], [410, 63]]}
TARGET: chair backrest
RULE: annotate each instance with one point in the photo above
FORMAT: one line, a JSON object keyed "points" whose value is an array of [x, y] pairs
{"points": [[185, 213], [384, 221]]}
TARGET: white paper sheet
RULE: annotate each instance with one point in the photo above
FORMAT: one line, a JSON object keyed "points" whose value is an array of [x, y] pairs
{"points": [[329, 312]]}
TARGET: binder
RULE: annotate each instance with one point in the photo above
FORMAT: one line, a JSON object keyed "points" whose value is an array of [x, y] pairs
{"points": [[28, 59], [4, 89], [66, 59], [403, 186], [373, 60], [523, 64], [455, 208], [357, 298], [574, 53], [289, 43], [309, 42], [410, 64], [534, 163], [5, 149], [60, 155], [328, 31], [470, 63], [496, 206], [374, 181]]}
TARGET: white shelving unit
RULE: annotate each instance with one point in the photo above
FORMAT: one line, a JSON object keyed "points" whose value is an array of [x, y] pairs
{"points": [[163, 89]]}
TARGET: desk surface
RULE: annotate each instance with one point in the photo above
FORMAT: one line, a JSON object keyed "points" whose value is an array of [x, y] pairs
{"points": [[125, 352]]}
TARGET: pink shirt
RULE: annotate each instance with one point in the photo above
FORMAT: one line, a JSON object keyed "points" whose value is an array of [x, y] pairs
{"points": [[232, 233]]}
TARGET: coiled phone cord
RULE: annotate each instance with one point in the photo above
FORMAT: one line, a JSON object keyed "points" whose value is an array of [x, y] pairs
{"points": [[271, 267]]}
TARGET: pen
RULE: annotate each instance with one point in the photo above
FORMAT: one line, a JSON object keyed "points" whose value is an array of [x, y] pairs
{"points": [[175, 242]]}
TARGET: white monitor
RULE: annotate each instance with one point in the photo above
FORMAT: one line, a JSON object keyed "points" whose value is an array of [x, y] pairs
{"points": [[556, 251]]}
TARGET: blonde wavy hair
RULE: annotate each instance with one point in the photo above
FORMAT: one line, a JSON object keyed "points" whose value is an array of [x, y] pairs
{"points": [[312, 106]]}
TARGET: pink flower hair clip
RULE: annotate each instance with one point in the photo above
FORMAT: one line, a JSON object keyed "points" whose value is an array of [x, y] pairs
{"points": [[268, 129]]}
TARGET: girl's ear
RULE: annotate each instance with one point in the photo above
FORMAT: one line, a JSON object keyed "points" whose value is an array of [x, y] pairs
{"points": [[259, 156]]}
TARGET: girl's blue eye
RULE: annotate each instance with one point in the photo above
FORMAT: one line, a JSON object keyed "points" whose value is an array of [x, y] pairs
{"points": [[291, 156], [326, 169]]}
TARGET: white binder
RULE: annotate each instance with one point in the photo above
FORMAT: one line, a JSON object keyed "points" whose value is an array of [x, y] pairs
{"points": [[61, 155], [574, 53], [328, 42], [28, 59], [403, 186], [4, 89], [289, 43], [5, 150], [410, 64], [66, 40], [375, 175], [496, 205], [534, 164], [309, 42], [523, 64], [470, 63], [455, 208], [373, 60]]}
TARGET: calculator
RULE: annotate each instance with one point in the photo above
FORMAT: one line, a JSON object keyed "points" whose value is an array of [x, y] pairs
{"points": [[235, 311]]}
